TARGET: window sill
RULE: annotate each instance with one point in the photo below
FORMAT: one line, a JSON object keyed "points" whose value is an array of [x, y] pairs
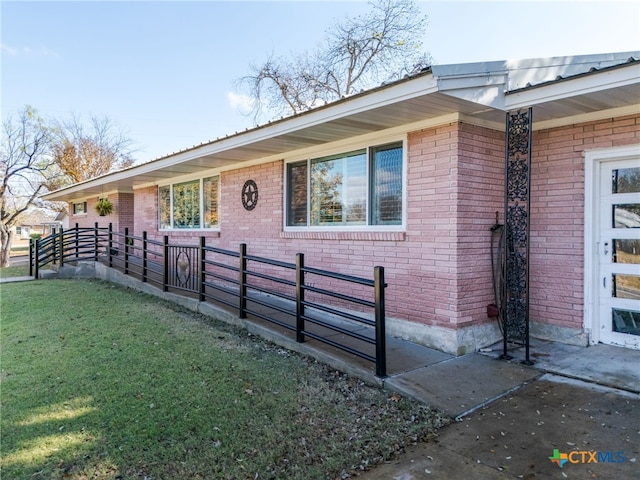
{"points": [[368, 236], [189, 232]]}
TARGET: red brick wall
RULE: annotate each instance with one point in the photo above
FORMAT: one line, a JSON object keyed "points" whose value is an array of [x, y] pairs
{"points": [[123, 208], [480, 196], [439, 270], [146, 212], [557, 214], [121, 217]]}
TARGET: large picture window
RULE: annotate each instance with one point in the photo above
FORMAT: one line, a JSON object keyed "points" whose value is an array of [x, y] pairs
{"points": [[358, 188], [186, 205]]}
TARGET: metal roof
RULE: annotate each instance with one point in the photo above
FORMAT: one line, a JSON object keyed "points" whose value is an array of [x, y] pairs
{"points": [[592, 70], [559, 87]]}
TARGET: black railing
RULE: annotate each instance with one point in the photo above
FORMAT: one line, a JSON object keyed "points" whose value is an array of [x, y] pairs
{"points": [[72, 245], [308, 301]]}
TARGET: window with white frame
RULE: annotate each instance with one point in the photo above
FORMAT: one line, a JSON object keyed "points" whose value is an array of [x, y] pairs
{"points": [[358, 188], [80, 208], [186, 205]]}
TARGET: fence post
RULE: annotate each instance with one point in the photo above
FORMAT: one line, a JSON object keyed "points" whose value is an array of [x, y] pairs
{"points": [[144, 256], [202, 267], [54, 247], [31, 257], [110, 244], [95, 242], [61, 239], [77, 240], [243, 281], [126, 250], [299, 297], [36, 258], [165, 260], [381, 348]]}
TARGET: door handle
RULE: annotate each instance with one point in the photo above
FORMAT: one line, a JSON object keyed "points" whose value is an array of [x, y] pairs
{"points": [[604, 282], [606, 248]]}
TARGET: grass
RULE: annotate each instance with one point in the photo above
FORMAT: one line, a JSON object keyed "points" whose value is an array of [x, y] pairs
{"points": [[14, 271], [20, 250], [102, 382]]}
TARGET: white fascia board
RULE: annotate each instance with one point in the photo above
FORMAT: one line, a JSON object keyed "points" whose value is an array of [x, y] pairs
{"points": [[397, 93], [484, 88], [394, 94], [561, 89]]}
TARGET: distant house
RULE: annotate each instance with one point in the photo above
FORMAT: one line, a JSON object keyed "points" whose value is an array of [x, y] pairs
{"points": [[417, 176], [40, 222]]}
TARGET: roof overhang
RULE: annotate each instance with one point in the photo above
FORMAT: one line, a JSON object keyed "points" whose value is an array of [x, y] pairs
{"points": [[478, 97]]}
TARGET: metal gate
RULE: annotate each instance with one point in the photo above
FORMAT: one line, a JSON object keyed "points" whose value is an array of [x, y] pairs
{"points": [[182, 267]]}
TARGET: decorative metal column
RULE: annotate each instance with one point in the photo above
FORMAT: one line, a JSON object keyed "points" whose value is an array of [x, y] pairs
{"points": [[515, 295]]}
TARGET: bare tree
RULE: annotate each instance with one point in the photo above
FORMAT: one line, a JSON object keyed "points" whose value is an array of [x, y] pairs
{"points": [[83, 153], [25, 171], [359, 53]]}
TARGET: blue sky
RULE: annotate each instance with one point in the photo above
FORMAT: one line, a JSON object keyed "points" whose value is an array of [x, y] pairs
{"points": [[165, 71]]}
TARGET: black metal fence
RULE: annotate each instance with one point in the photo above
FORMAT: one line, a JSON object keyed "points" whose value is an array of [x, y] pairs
{"points": [[308, 301]]}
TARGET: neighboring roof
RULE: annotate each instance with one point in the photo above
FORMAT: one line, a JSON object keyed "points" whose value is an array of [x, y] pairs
{"points": [[37, 217], [61, 216], [558, 87]]}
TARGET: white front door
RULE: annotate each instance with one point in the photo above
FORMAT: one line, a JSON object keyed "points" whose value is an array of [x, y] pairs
{"points": [[617, 272]]}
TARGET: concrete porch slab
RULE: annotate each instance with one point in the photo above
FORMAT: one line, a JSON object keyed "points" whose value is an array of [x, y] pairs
{"points": [[605, 365], [458, 385]]}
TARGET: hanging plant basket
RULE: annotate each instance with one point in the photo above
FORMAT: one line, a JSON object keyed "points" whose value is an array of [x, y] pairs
{"points": [[104, 207]]}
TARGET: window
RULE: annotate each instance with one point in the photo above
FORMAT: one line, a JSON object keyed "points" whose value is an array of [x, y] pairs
{"points": [[18, 230], [80, 208], [358, 188], [186, 205]]}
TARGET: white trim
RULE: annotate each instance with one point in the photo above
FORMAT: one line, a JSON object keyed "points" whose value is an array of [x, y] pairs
{"points": [[86, 198], [200, 180], [593, 160], [337, 149], [582, 85], [212, 172]]}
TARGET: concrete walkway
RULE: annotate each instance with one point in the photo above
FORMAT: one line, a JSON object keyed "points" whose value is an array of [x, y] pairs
{"points": [[16, 279]]}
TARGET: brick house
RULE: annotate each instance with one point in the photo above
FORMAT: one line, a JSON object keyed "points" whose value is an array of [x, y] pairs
{"points": [[411, 176]]}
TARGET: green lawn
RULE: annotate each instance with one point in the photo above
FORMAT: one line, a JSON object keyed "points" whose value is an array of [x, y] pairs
{"points": [[17, 271], [103, 382]]}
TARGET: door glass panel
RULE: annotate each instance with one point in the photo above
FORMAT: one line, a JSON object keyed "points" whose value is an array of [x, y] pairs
{"points": [[626, 286], [626, 216], [625, 321], [625, 180], [626, 251]]}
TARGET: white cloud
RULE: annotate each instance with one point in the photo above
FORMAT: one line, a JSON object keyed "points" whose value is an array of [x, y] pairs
{"points": [[8, 50], [28, 51], [243, 103]]}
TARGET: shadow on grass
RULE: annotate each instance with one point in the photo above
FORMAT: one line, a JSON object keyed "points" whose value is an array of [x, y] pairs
{"points": [[53, 441]]}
